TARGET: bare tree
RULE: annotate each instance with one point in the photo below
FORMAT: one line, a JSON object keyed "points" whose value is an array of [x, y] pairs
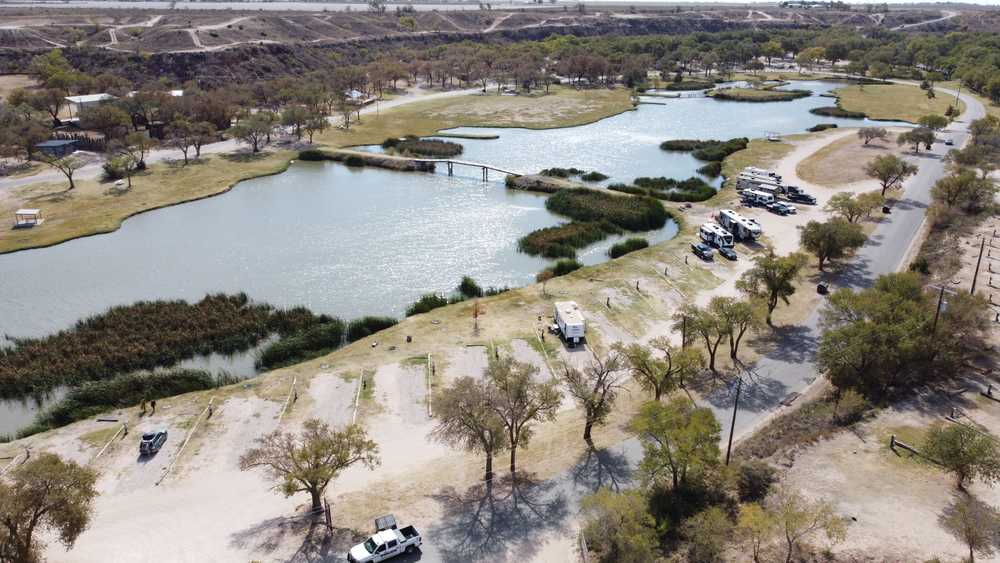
{"points": [[595, 388], [465, 419], [661, 375], [309, 462], [519, 400]]}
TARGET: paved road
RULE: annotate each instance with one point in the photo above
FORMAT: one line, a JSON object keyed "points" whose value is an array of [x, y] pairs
{"points": [[523, 525]]}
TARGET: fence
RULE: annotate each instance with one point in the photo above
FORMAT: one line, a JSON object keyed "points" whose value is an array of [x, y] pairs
{"points": [[84, 142]]}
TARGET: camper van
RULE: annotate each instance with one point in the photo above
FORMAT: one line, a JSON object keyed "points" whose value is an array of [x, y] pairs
{"points": [[758, 182], [741, 227], [715, 235], [570, 321], [758, 197]]}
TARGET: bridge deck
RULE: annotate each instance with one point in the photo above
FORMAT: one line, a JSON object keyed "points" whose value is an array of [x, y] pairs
{"points": [[469, 163]]}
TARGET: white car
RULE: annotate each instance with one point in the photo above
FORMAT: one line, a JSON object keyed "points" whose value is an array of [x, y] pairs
{"points": [[385, 544]]}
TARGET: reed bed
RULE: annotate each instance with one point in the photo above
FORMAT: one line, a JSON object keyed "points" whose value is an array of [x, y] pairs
{"points": [[629, 213], [630, 245], [142, 336], [562, 241]]}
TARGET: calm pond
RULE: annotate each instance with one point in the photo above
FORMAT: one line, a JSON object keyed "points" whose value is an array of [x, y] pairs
{"points": [[354, 242]]}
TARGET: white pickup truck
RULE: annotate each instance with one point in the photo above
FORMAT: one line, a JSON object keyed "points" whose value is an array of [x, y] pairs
{"points": [[385, 544]]}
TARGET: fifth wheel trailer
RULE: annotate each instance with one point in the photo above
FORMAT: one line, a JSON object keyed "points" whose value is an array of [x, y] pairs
{"points": [[741, 227]]}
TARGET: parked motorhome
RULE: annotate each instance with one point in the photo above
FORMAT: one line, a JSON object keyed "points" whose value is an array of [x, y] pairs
{"points": [[741, 227], [758, 197], [762, 172], [570, 321], [749, 182], [715, 235]]}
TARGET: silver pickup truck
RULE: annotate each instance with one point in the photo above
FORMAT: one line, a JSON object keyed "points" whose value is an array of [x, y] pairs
{"points": [[385, 544]]}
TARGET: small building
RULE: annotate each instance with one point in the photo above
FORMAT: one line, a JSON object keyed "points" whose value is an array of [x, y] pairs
{"points": [[27, 218], [58, 148], [80, 103]]}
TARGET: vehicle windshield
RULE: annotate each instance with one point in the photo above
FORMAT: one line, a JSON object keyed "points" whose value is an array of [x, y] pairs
{"points": [[370, 546], [148, 437]]}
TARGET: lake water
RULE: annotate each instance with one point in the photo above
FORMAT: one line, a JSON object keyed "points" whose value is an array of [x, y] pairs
{"points": [[354, 242]]}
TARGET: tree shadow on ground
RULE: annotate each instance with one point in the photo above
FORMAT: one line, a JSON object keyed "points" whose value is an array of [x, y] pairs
{"points": [[794, 344], [244, 156], [976, 516], [598, 468], [758, 394], [497, 522], [316, 542]]}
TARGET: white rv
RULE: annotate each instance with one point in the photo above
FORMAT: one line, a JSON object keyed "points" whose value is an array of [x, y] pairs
{"points": [[741, 227], [744, 182], [715, 235], [762, 172], [570, 321], [758, 197]]}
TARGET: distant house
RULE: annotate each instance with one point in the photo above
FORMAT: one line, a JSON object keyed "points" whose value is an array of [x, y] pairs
{"points": [[80, 103], [58, 148]]}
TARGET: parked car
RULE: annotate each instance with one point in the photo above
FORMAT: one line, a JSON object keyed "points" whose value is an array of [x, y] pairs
{"points": [[702, 251], [777, 208], [385, 544], [727, 252], [802, 197], [151, 442], [822, 288], [949, 142]]}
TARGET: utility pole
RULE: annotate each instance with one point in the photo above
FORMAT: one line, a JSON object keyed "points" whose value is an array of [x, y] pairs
{"points": [[938, 312], [975, 276], [732, 426], [684, 326]]}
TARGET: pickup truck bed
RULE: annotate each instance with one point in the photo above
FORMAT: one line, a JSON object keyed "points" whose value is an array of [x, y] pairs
{"points": [[408, 533]]}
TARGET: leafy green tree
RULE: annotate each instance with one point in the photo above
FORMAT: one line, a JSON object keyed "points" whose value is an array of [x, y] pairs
{"points": [[845, 205], [831, 240], [890, 171], [982, 157], [67, 165], [595, 388], [705, 323], [679, 440], [965, 189], [737, 317], [933, 122], [869, 134], [870, 201], [796, 518], [317, 123], [619, 526], [916, 137], [707, 533], [254, 131], [964, 451], [974, 524], [661, 375], [464, 419], [755, 528], [295, 117], [310, 461], [772, 278], [107, 119], [202, 133], [44, 494], [520, 401]]}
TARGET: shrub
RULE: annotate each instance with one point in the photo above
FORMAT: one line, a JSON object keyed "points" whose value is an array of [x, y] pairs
{"points": [[712, 169], [850, 407], [688, 85], [354, 160], [594, 176], [469, 288], [313, 155], [692, 189], [921, 265], [113, 170], [759, 95], [630, 213], [563, 267], [681, 145], [561, 172], [821, 127], [835, 111], [367, 326], [426, 303], [305, 345], [562, 240], [754, 479], [125, 390], [624, 247]]}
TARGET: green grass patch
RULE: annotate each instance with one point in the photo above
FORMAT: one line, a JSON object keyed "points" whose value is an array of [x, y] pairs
{"points": [[759, 95], [97, 438], [629, 213], [834, 111], [433, 148], [686, 85]]}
